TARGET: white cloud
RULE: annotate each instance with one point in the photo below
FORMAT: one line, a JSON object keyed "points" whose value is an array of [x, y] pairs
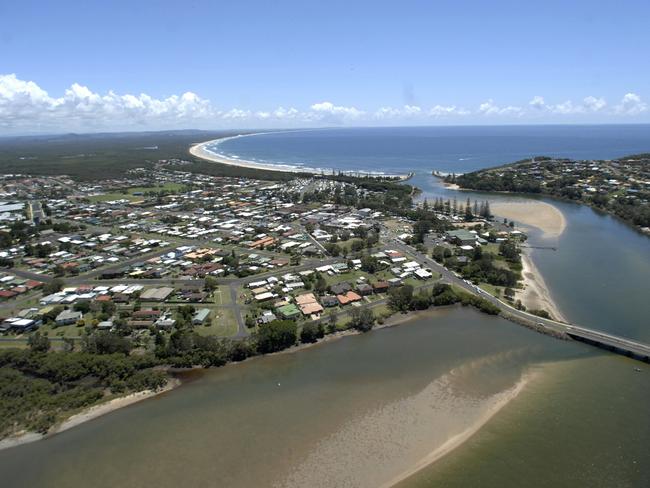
{"points": [[631, 104], [24, 104], [237, 114], [441, 111], [594, 104], [328, 109], [26, 107], [588, 104], [490, 108], [283, 113], [538, 103], [403, 112]]}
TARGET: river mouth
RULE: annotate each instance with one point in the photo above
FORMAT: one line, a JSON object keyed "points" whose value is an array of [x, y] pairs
{"points": [[322, 416]]}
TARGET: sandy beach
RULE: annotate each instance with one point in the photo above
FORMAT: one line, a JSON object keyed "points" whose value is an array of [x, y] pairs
{"points": [[89, 414], [535, 295], [541, 215], [200, 151]]}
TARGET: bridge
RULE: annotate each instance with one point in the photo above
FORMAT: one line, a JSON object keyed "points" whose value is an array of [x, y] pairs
{"points": [[610, 342], [620, 345]]}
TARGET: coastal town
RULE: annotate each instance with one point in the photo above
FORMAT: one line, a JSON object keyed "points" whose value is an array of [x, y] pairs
{"points": [[620, 187], [192, 269], [129, 253]]}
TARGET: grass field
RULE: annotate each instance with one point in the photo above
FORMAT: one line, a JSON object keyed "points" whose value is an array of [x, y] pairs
{"points": [[130, 194], [62, 331], [223, 324]]}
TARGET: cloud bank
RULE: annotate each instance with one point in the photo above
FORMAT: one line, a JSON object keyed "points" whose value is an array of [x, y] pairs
{"points": [[26, 107]]}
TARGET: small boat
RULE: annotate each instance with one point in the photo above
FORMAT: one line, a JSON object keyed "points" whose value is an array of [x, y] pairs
{"points": [[638, 370]]}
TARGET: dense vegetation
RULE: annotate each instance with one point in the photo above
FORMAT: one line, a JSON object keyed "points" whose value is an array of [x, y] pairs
{"points": [[403, 299], [95, 156], [486, 267], [37, 388]]}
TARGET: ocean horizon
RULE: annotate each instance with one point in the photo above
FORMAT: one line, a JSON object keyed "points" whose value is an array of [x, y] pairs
{"points": [[448, 149]]}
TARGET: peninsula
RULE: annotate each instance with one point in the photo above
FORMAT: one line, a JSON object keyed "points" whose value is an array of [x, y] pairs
{"points": [[620, 187]]}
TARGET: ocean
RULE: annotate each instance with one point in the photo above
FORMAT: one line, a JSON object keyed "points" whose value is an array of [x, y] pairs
{"points": [[399, 150]]}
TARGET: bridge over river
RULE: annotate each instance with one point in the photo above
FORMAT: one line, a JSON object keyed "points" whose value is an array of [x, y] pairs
{"points": [[603, 340]]}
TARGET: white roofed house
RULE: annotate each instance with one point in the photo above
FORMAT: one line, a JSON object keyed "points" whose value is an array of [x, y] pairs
{"points": [[68, 317]]}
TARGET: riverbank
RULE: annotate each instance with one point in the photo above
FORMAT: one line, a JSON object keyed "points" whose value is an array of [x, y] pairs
{"points": [[88, 414], [200, 151], [536, 295], [547, 218]]}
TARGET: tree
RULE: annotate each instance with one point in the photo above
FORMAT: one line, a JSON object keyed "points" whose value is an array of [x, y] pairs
{"points": [[276, 335], [331, 323], [357, 245], [82, 306], [210, 284], [332, 249], [361, 232], [104, 342], [509, 250], [362, 319], [54, 286], [399, 299], [320, 285], [369, 264], [311, 332], [468, 211], [38, 342]]}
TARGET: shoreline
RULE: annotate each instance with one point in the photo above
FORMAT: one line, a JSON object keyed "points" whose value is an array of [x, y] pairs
{"points": [[199, 150], [536, 294], [87, 414], [459, 439], [94, 411]]}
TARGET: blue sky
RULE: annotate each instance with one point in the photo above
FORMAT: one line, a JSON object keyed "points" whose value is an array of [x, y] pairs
{"points": [[161, 64]]}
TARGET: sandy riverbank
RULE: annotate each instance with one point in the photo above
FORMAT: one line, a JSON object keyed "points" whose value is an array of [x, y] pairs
{"points": [[536, 295], [552, 223], [200, 151], [541, 215], [88, 414]]}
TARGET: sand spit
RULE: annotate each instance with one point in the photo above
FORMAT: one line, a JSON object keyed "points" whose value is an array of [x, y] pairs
{"points": [[387, 445], [541, 215]]}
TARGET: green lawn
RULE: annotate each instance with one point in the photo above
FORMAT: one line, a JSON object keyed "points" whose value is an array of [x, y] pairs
{"points": [[496, 291], [13, 344], [129, 195], [63, 331], [221, 296], [223, 324]]}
